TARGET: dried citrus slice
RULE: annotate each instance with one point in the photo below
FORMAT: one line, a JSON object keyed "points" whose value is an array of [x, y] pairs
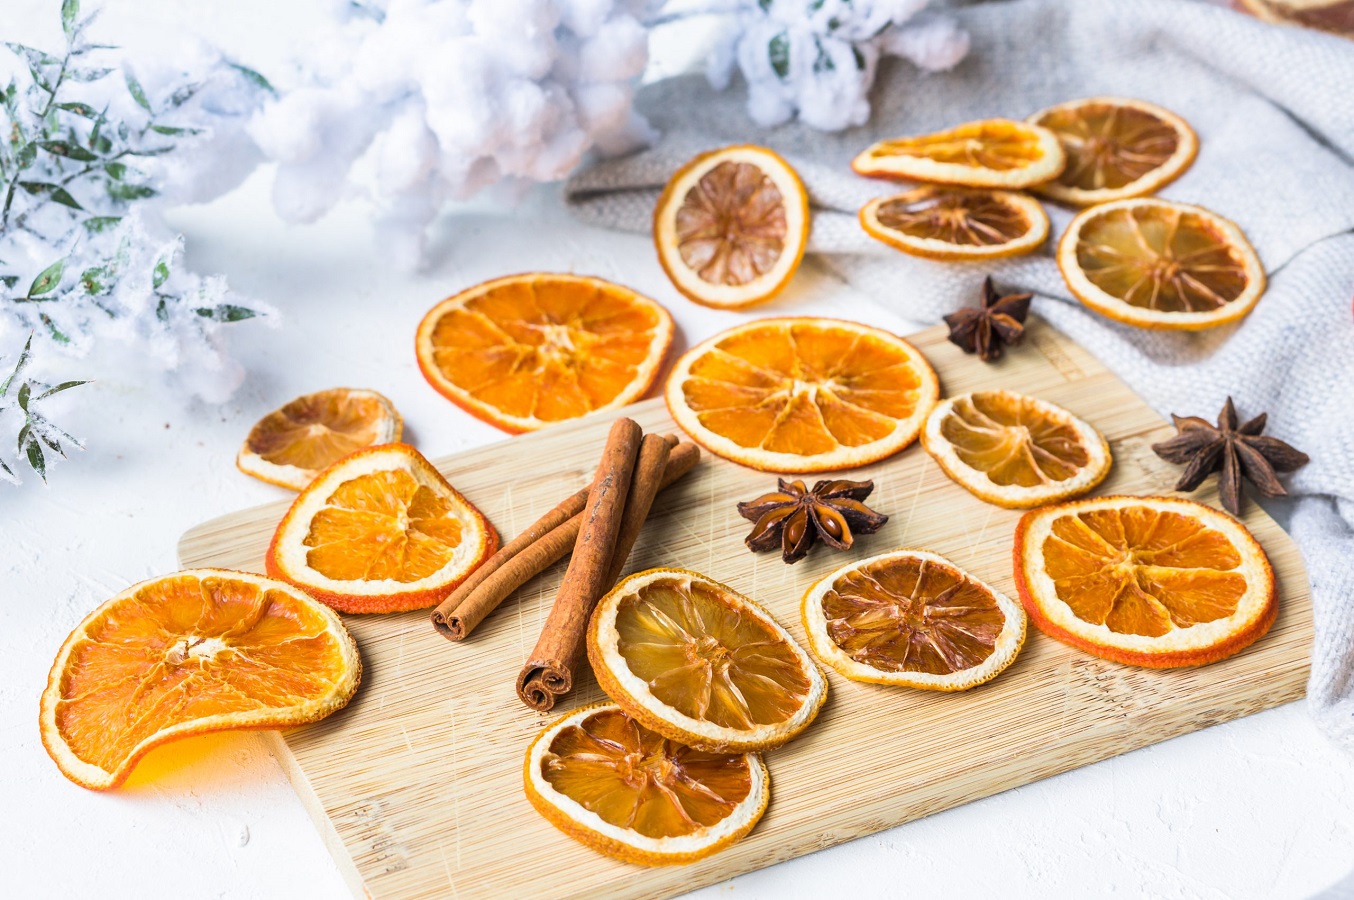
{"points": [[605, 780], [915, 619], [1153, 581], [957, 223], [197, 651], [1116, 148], [701, 664], [380, 531], [1158, 264], [1013, 450], [802, 394], [527, 351], [290, 446], [731, 226], [996, 153]]}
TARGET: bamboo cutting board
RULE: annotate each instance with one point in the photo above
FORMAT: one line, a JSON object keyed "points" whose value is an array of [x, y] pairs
{"points": [[417, 785]]}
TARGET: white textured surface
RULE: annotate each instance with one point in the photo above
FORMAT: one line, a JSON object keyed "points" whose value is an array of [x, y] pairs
{"points": [[1255, 808]]}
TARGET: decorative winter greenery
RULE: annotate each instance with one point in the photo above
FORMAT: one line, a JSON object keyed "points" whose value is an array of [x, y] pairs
{"points": [[20, 398], [88, 153]]}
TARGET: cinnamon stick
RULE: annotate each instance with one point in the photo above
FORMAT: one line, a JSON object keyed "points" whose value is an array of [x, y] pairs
{"points": [[644, 486], [463, 611], [549, 670]]}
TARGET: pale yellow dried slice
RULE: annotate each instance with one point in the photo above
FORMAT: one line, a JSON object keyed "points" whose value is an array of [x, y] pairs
{"points": [[996, 153], [952, 223]]}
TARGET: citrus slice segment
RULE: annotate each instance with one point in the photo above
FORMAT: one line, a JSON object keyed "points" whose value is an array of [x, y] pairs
{"points": [[952, 223], [996, 153], [731, 226], [607, 781], [1151, 581], [701, 664], [1116, 148], [802, 394], [184, 654], [527, 351], [380, 531], [1157, 264], [291, 445], [915, 619], [1013, 450]]}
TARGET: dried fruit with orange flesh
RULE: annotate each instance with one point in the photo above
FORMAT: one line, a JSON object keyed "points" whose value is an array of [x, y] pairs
{"points": [[954, 223], [380, 531], [997, 153], [1158, 264], [1152, 581], [527, 351], [1116, 149], [915, 619], [605, 780], [701, 664], [802, 394], [291, 445], [1013, 450], [731, 226], [197, 651]]}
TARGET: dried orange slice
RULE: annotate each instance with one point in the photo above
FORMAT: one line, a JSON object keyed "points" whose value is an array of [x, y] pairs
{"points": [[915, 619], [701, 664], [380, 531], [995, 153], [197, 651], [1157, 264], [527, 351], [1116, 148], [802, 394], [1152, 581], [290, 446], [731, 226], [957, 223], [1013, 450], [605, 780]]}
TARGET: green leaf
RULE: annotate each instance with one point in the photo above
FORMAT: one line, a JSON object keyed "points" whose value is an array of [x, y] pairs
{"points": [[88, 74], [93, 280], [138, 93], [779, 53], [162, 311], [183, 95], [27, 154], [55, 191], [57, 334], [123, 191], [258, 80], [860, 58], [25, 390], [70, 10], [171, 130], [52, 444], [226, 312], [9, 280], [63, 386], [36, 461], [160, 274], [80, 109], [48, 279], [18, 366], [100, 224], [115, 170], [70, 151], [823, 61]]}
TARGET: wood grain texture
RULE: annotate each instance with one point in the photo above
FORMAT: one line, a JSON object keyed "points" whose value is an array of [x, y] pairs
{"points": [[417, 784]]}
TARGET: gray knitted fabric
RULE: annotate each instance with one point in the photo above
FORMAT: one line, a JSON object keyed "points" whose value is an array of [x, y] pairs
{"points": [[1275, 117]]}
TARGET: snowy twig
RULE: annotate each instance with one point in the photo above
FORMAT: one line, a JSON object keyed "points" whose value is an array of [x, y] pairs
{"points": [[23, 426]]}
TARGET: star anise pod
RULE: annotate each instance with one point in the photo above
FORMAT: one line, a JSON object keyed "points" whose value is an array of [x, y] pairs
{"points": [[1239, 451], [793, 517], [984, 330]]}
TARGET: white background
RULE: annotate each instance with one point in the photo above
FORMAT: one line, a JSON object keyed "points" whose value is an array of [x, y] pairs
{"points": [[1255, 808]]}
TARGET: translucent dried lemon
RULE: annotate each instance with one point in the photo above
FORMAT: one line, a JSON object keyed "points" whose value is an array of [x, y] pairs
{"points": [[957, 223], [1013, 450], [701, 664], [998, 153], [912, 618], [605, 780]]}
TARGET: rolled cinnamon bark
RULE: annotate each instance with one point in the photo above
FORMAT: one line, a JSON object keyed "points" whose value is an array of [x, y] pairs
{"points": [[533, 551], [549, 670], [644, 486]]}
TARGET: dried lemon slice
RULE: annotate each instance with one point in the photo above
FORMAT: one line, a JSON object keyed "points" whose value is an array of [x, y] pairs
{"points": [[915, 619], [605, 780], [957, 223], [1116, 148], [1013, 450], [701, 664], [1152, 581], [731, 226], [996, 153], [1157, 264]]}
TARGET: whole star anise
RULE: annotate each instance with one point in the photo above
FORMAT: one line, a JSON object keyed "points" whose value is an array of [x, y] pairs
{"points": [[793, 517], [985, 329], [1240, 452]]}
